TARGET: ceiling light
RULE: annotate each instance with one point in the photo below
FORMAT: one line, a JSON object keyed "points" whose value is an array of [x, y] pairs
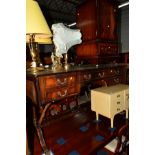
{"points": [[123, 4]]}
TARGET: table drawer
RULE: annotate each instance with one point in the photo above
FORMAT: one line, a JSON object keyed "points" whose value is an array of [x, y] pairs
{"points": [[113, 81], [57, 94], [85, 76], [59, 80], [107, 73]]}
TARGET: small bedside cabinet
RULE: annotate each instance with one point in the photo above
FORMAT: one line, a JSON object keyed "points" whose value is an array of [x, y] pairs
{"points": [[109, 101]]}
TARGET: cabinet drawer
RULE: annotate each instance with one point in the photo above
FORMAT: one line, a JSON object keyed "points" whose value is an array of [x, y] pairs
{"points": [[59, 80], [117, 102], [113, 81], [85, 76], [107, 73], [99, 83], [108, 49], [57, 94], [116, 110], [126, 102]]}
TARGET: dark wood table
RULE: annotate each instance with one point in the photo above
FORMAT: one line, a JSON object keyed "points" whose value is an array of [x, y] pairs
{"points": [[55, 89]]}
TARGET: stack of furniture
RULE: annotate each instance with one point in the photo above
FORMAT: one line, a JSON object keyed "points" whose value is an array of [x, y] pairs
{"points": [[53, 93], [97, 21]]}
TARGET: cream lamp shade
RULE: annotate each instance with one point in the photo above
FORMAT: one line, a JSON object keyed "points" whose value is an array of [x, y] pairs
{"points": [[44, 41], [35, 21], [37, 31], [41, 40]]}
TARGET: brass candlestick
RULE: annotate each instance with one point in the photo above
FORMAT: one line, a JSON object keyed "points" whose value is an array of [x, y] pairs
{"points": [[66, 65], [57, 65]]}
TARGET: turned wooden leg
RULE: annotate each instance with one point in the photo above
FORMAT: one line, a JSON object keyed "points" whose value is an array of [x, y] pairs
{"points": [[40, 134]]}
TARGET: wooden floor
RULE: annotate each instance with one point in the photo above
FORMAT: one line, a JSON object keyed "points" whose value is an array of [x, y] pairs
{"points": [[78, 133]]}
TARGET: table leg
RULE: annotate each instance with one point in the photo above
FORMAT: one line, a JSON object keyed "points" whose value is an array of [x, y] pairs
{"points": [[40, 133], [127, 113], [97, 116]]}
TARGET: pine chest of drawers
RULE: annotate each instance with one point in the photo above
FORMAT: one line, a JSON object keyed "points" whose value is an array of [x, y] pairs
{"points": [[109, 101]]}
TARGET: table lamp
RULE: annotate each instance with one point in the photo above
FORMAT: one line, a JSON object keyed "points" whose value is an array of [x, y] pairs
{"points": [[37, 31]]}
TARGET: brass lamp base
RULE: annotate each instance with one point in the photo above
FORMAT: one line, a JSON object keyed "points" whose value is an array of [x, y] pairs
{"points": [[35, 69], [67, 66]]}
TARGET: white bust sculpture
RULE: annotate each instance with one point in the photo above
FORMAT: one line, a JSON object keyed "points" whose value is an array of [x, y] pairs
{"points": [[64, 38]]}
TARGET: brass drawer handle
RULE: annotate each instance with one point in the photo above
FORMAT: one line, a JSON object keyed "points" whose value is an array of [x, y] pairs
{"points": [[116, 80], [127, 96], [59, 82], [118, 95], [117, 71], [118, 109], [87, 77], [62, 95], [101, 75], [118, 102]]}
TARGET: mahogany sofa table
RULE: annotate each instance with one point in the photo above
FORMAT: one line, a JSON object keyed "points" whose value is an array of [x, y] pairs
{"points": [[59, 90]]}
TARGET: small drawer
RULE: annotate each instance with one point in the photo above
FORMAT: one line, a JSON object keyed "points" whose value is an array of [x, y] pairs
{"points": [[118, 109], [108, 72], [118, 106], [101, 74], [118, 98], [126, 102], [119, 95], [85, 76], [98, 74], [113, 71], [59, 80], [57, 94], [118, 102]]}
